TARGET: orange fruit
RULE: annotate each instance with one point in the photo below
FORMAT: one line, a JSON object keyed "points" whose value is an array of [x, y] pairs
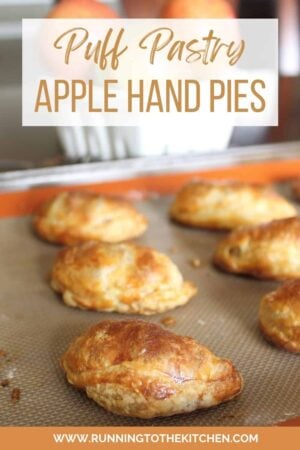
{"points": [[198, 9], [81, 9]]}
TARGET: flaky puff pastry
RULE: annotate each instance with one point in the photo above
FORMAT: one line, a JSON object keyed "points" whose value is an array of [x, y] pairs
{"points": [[137, 369], [279, 316], [228, 205], [126, 278], [270, 251], [73, 217]]}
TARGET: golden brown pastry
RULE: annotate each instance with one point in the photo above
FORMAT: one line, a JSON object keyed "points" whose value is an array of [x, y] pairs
{"points": [[279, 316], [138, 369], [270, 251], [73, 217], [228, 205], [126, 278]]}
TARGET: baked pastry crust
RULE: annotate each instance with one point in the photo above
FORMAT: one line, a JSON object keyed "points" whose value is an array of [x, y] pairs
{"points": [[228, 205], [125, 277], [138, 369], [72, 217], [270, 251], [279, 316]]}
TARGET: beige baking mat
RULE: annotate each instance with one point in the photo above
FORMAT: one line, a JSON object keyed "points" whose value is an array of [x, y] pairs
{"points": [[36, 328]]}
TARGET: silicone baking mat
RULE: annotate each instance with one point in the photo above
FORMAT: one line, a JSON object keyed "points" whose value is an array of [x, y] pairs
{"points": [[36, 328]]}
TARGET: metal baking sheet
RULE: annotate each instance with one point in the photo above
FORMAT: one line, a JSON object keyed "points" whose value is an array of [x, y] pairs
{"points": [[36, 328], [146, 166]]}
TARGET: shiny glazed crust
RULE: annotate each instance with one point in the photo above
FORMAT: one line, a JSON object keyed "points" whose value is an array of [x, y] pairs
{"points": [[73, 217], [138, 369], [270, 251], [228, 205], [126, 278], [279, 316]]}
